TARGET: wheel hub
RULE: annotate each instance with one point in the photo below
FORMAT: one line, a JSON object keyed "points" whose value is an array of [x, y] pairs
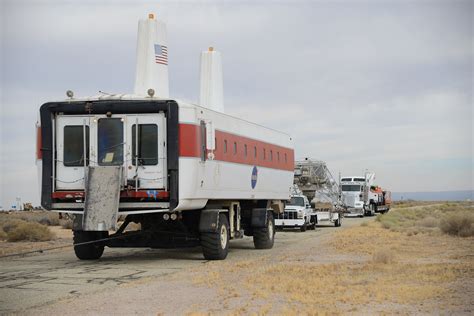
{"points": [[223, 236]]}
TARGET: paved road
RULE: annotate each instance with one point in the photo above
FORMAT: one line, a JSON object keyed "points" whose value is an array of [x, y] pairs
{"points": [[42, 279]]}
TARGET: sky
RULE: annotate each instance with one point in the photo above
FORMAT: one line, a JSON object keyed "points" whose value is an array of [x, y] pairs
{"points": [[380, 85]]}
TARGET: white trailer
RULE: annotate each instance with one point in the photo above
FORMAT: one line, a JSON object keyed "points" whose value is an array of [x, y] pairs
{"points": [[189, 174]]}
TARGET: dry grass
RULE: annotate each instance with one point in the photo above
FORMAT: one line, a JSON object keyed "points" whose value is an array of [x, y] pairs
{"points": [[373, 271], [66, 223], [29, 231], [460, 224], [41, 217], [383, 256], [454, 218], [26, 226]]}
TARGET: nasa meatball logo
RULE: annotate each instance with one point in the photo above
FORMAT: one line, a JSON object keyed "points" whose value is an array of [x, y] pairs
{"points": [[254, 177]]}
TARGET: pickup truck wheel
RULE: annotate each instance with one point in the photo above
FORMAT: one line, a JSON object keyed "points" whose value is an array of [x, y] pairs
{"points": [[91, 251], [264, 237], [215, 246], [338, 222], [303, 228]]}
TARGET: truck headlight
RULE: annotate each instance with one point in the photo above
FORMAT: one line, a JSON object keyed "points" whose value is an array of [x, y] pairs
{"points": [[300, 214]]}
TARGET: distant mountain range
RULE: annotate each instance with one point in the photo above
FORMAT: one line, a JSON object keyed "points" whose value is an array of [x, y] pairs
{"points": [[434, 196]]}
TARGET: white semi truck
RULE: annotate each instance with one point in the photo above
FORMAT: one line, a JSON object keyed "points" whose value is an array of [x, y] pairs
{"points": [[362, 197], [189, 174]]}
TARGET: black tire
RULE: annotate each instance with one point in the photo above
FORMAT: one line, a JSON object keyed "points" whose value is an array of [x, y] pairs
{"points": [[338, 222], [91, 251], [303, 228], [215, 246], [264, 237]]}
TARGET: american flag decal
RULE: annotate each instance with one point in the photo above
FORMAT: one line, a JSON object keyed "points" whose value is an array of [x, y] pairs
{"points": [[161, 54]]}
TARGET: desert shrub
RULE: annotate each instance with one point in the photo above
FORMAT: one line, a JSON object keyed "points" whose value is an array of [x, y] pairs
{"points": [[29, 231], [66, 223], [3, 235], [428, 221], [383, 256], [11, 224], [44, 218], [461, 224]]}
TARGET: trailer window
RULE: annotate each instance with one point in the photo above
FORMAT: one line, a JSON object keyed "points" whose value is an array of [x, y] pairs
{"points": [[264, 154], [351, 188], [286, 160], [278, 156], [74, 146], [147, 144], [245, 150], [225, 146], [271, 155], [235, 148], [110, 139], [255, 151]]}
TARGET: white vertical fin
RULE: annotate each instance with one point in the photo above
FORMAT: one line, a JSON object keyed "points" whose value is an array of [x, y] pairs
{"points": [[152, 58], [212, 89]]}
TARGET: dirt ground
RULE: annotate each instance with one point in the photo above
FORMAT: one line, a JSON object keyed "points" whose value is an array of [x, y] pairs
{"points": [[360, 268]]}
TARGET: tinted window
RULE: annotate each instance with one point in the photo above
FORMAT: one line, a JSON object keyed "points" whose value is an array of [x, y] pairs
{"points": [[359, 179], [147, 144], [346, 179], [74, 146], [110, 139]]}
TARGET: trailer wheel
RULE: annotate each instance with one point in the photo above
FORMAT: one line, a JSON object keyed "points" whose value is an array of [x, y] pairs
{"points": [[215, 246], [264, 237], [91, 251]]}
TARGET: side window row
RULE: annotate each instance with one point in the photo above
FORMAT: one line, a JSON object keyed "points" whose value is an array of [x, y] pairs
{"points": [[255, 150]]}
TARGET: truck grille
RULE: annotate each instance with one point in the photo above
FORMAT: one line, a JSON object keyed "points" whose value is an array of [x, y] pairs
{"points": [[288, 215]]}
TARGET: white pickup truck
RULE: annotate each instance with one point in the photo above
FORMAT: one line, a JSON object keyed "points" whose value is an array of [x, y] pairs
{"points": [[298, 214]]}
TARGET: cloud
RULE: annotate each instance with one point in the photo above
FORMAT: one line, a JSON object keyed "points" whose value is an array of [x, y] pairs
{"points": [[385, 86]]}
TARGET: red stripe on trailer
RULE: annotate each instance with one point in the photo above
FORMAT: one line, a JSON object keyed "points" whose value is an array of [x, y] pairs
{"points": [[268, 155], [39, 144], [123, 194], [189, 140]]}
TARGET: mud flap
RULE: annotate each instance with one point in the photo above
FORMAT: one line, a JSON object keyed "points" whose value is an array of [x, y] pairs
{"points": [[209, 220], [259, 217], [102, 198]]}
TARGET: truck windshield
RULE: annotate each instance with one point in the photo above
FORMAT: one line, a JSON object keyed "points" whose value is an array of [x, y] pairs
{"points": [[359, 179], [297, 201], [351, 188]]}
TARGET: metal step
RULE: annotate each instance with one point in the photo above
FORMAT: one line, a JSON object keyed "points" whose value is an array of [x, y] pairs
{"points": [[102, 198]]}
